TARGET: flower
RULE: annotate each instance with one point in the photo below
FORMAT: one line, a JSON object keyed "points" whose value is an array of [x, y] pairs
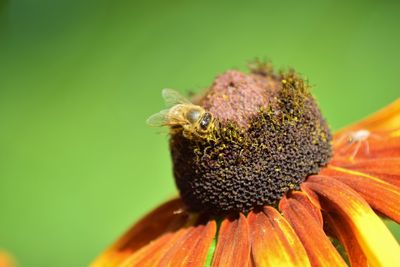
{"points": [[6, 260], [273, 188]]}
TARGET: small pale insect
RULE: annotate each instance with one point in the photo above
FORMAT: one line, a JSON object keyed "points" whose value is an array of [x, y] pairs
{"points": [[193, 120], [360, 135], [355, 143]]}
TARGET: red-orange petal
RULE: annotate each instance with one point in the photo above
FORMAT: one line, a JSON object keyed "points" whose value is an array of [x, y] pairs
{"points": [[342, 231], [364, 144], [273, 240], [192, 248], [381, 195], [151, 254], [187, 247], [385, 144], [6, 260], [376, 241], [307, 202], [320, 250], [386, 169], [166, 218], [233, 243], [386, 119]]}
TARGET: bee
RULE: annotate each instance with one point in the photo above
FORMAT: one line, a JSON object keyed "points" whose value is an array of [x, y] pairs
{"points": [[181, 115]]}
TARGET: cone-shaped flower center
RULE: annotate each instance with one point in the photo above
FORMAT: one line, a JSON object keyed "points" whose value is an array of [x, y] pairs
{"points": [[269, 135]]}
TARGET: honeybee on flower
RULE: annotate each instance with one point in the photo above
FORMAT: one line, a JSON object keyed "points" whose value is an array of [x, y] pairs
{"points": [[181, 114]]}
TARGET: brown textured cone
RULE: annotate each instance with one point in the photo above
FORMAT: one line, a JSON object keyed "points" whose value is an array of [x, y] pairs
{"points": [[273, 240], [233, 245], [236, 96], [342, 231], [267, 140], [319, 248]]}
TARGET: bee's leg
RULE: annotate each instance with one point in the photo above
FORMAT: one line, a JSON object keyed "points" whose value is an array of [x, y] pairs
{"points": [[185, 134]]}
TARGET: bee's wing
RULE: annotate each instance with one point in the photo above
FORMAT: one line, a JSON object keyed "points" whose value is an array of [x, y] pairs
{"points": [[172, 98], [158, 119]]}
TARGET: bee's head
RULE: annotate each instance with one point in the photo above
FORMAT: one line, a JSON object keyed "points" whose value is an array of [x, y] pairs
{"points": [[197, 115], [205, 120]]}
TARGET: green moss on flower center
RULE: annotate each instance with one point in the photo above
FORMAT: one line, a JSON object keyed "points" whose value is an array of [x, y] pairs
{"points": [[270, 137]]}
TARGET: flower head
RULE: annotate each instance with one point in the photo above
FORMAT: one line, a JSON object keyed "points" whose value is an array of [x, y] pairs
{"points": [[263, 183], [6, 260], [270, 137]]}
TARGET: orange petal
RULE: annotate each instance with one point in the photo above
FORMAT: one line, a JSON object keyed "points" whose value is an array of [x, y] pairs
{"points": [[167, 217], [383, 145], [371, 188], [186, 247], [308, 203], [386, 119], [274, 242], [364, 144], [233, 245], [192, 248], [151, 254], [342, 231], [376, 241], [6, 260], [318, 246], [386, 169]]}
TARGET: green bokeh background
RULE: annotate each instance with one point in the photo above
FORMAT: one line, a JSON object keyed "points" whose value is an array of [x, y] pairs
{"points": [[78, 165]]}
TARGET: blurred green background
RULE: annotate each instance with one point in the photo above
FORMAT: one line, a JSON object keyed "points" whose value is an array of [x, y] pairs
{"points": [[78, 165]]}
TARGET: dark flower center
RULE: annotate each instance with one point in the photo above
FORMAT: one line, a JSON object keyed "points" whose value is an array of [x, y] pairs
{"points": [[269, 137]]}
